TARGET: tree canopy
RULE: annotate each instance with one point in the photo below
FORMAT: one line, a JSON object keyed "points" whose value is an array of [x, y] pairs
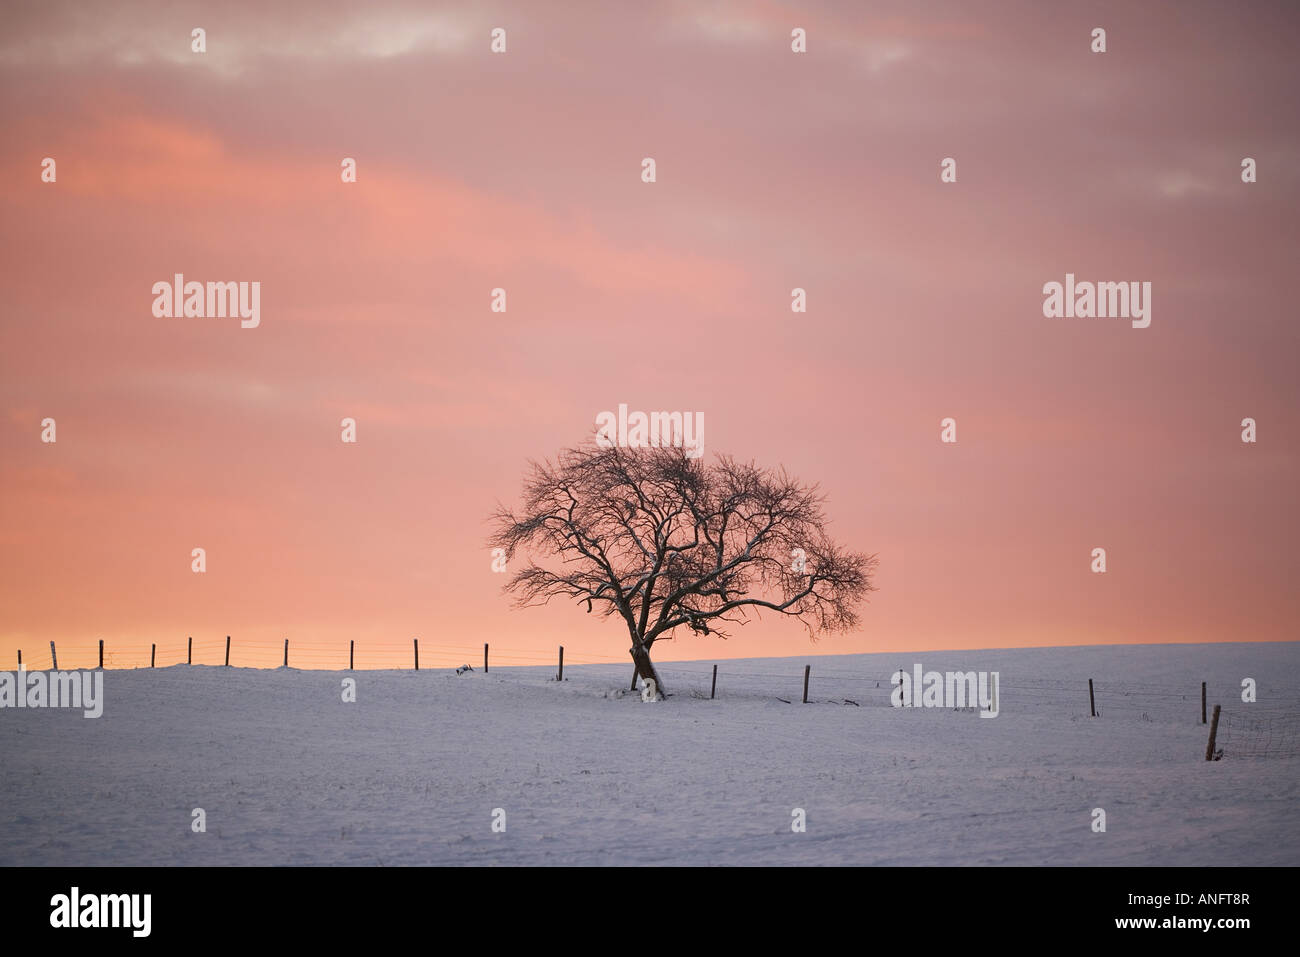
{"points": [[662, 542]]}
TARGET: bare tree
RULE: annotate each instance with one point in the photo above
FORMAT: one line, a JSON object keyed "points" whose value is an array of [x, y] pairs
{"points": [[664, 541]]}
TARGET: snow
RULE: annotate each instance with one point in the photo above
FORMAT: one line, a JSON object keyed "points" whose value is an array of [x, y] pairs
{"points": [[287, 773]]}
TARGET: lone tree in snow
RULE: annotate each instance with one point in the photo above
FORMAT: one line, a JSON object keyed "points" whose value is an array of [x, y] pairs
{"points": [[664, 541]]}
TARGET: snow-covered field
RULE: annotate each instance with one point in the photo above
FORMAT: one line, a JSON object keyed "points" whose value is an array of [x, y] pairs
{"points": [[287, 773]]}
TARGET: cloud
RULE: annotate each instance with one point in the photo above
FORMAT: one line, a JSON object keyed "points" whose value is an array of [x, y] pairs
{"points": [[877, 46], [239, 37], [1179, 183]]}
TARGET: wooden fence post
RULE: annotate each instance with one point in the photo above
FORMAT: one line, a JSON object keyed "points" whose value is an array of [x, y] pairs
{"points": [[417, 653], [485, 644], [286, 652], [101, 654], [227, 651], [1202, 702], [1214, 729], [806, 670], [189, 651], [713, 690], [54, 658], [153, 652], [352, 652], [1092, 701], [560, 675]]}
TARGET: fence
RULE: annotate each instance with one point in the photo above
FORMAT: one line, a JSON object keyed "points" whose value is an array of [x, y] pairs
{"points": [[1253, 735], [1080, 697], [1077, 697], [383, 654]]}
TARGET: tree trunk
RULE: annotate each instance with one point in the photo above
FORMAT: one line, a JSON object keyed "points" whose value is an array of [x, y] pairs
{"points": [[645, 667]]}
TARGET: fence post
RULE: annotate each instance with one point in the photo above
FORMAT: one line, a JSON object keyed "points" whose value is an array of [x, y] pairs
{"points": [[485, 644], [227, 651], [560, 675], [1092, 701], [54, 658], [189, 651], [806, 670], [352, 652], [286, 652], [153, 651], [101, 654], [1214, 729], [417, 653], [713, 690], [1202, 702]]}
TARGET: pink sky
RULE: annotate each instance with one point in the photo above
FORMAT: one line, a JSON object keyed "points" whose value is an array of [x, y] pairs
{"points": [[522, 171]]}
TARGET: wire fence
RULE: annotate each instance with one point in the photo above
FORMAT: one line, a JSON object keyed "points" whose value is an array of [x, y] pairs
{"points": [[1111, 699], [1270, 729], [1257, 735], [382, 654]]}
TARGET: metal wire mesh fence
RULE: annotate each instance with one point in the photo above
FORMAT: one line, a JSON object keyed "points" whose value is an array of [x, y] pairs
{"points": [[1268, 735]]}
